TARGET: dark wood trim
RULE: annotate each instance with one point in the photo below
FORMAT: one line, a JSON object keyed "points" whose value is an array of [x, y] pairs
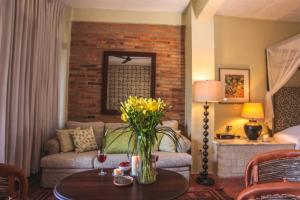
{"points": [[106, 54], [267, 70], [248, 69], [104, 85], [12, 173]]}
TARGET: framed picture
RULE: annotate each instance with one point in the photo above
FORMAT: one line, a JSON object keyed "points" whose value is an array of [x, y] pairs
{"points": [[235, 85]]}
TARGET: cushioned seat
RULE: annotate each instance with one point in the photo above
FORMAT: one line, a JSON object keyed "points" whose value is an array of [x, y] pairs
{"points": [[166, 160], [70, 160], [173, 160], [59, 165], [112, 161]]}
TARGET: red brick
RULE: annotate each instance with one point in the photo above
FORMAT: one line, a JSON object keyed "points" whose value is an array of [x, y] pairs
{"points": [[91, 39]]}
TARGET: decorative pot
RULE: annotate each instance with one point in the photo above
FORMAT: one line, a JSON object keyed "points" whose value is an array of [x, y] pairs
{"points": [[252, 130], [146, 173]]}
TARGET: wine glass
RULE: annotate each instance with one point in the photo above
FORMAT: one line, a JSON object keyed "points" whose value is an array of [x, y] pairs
{"points": [[101, 157]]}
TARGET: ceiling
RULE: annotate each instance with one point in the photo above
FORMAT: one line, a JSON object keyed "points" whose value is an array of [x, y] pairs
{"points": [[281, 10], [133, 5]]}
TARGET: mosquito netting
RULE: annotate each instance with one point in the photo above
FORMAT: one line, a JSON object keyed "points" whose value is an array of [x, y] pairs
{"points": [[283, 60]]}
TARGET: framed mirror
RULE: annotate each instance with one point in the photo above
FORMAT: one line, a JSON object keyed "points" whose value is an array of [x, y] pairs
{"points": [[126, 74]]}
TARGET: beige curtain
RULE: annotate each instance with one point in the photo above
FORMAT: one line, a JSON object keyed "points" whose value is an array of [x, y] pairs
{"points": [[30, 33]]}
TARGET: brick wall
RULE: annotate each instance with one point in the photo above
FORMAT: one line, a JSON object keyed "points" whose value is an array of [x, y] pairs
{"points": [[90, 40]]}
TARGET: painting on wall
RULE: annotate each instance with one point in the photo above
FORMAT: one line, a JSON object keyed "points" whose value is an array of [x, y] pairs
{"points": [[126, 74], [235, 85]]}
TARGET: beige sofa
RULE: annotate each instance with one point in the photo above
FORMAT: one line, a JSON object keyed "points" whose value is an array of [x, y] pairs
{"points": [[56, 165]]}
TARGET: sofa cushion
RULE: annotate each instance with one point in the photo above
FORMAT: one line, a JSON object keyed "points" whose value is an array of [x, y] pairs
{"points": [[52, 146], [172, 159], [84, 140], [113, 126], [170, 123], [70, 160], [117, 141], [166, 159], [98, 128], [184, 145], [112, 160], [167, 144], [65, 139]]}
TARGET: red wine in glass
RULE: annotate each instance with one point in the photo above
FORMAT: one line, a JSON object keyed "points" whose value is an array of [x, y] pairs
{"points": [[101, 157]]}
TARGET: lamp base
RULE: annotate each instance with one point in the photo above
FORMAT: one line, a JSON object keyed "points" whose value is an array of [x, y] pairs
{"points": [[207, 181], [252, 130]]}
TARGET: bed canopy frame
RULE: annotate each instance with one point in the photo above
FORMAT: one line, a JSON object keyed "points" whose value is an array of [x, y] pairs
{"points": [[283, 60]]}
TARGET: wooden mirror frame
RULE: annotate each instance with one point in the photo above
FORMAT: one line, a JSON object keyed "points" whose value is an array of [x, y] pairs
{"points": [[106, 55]]}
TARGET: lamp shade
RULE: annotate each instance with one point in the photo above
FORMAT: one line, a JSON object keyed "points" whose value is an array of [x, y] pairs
{"points": [[253, 111], [208, 90]]}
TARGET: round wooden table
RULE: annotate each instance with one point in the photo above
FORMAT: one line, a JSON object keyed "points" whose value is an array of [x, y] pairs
{"points": [[88, 185]]}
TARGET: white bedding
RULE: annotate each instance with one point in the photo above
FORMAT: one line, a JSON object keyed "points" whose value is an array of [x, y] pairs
{"points": [[291, 134]]}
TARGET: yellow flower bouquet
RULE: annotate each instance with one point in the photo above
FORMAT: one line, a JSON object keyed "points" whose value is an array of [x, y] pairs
{"points": [[143, 116]]}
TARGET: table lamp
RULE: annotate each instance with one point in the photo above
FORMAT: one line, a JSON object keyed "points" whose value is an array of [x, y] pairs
{"points": [[206, 91], [253, 111]]}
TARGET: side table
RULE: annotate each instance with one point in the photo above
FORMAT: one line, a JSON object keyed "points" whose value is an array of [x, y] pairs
{"points": [[232, 156], [88, 185]]}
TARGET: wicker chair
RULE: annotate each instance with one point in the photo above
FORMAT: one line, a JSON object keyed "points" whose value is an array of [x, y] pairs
{"points": [[275, 166], [13, 183], [272, 191]]}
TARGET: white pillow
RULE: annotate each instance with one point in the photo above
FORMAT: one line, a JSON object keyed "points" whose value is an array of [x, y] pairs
{"points": [[171, 124], [185, 143], [291, 134], [168, 145]]}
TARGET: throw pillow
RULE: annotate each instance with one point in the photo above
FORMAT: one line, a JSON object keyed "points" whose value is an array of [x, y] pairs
{"points": [[166, 144], [183, 146], [52, 146], [84, 140], [185, 143], [98, 128], [117, 141], [157, 142], [65, 139], [170, 123]]}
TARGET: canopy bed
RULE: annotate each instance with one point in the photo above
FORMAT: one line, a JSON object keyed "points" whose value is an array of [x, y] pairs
{"points": [[282, 104]]}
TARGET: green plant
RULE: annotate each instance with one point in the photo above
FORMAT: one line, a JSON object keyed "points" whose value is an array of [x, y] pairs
{"points": [[143, 116]]}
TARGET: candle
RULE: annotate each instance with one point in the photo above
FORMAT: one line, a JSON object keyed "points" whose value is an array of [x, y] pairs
{"points": [[265, 138], [134, 163], [117, 172]]}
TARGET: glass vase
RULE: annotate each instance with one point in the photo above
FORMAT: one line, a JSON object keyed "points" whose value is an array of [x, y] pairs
{"points": [[146, 173]]}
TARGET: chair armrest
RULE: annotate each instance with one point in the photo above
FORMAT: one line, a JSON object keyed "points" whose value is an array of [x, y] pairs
{"points": [[270, 190], [252, 169], [52, 146]]}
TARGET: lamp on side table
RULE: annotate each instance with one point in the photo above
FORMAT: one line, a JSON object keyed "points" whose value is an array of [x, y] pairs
{"points": [[253, 111], [206, 91]]}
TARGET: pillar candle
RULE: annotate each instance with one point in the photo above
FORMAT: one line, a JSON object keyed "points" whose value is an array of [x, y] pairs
{"points": [[265, 138], [134, 164]]}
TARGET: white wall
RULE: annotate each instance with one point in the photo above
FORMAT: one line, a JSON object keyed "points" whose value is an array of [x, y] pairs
{"points": [[135, 17], [242, 42], [199, 66]]}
